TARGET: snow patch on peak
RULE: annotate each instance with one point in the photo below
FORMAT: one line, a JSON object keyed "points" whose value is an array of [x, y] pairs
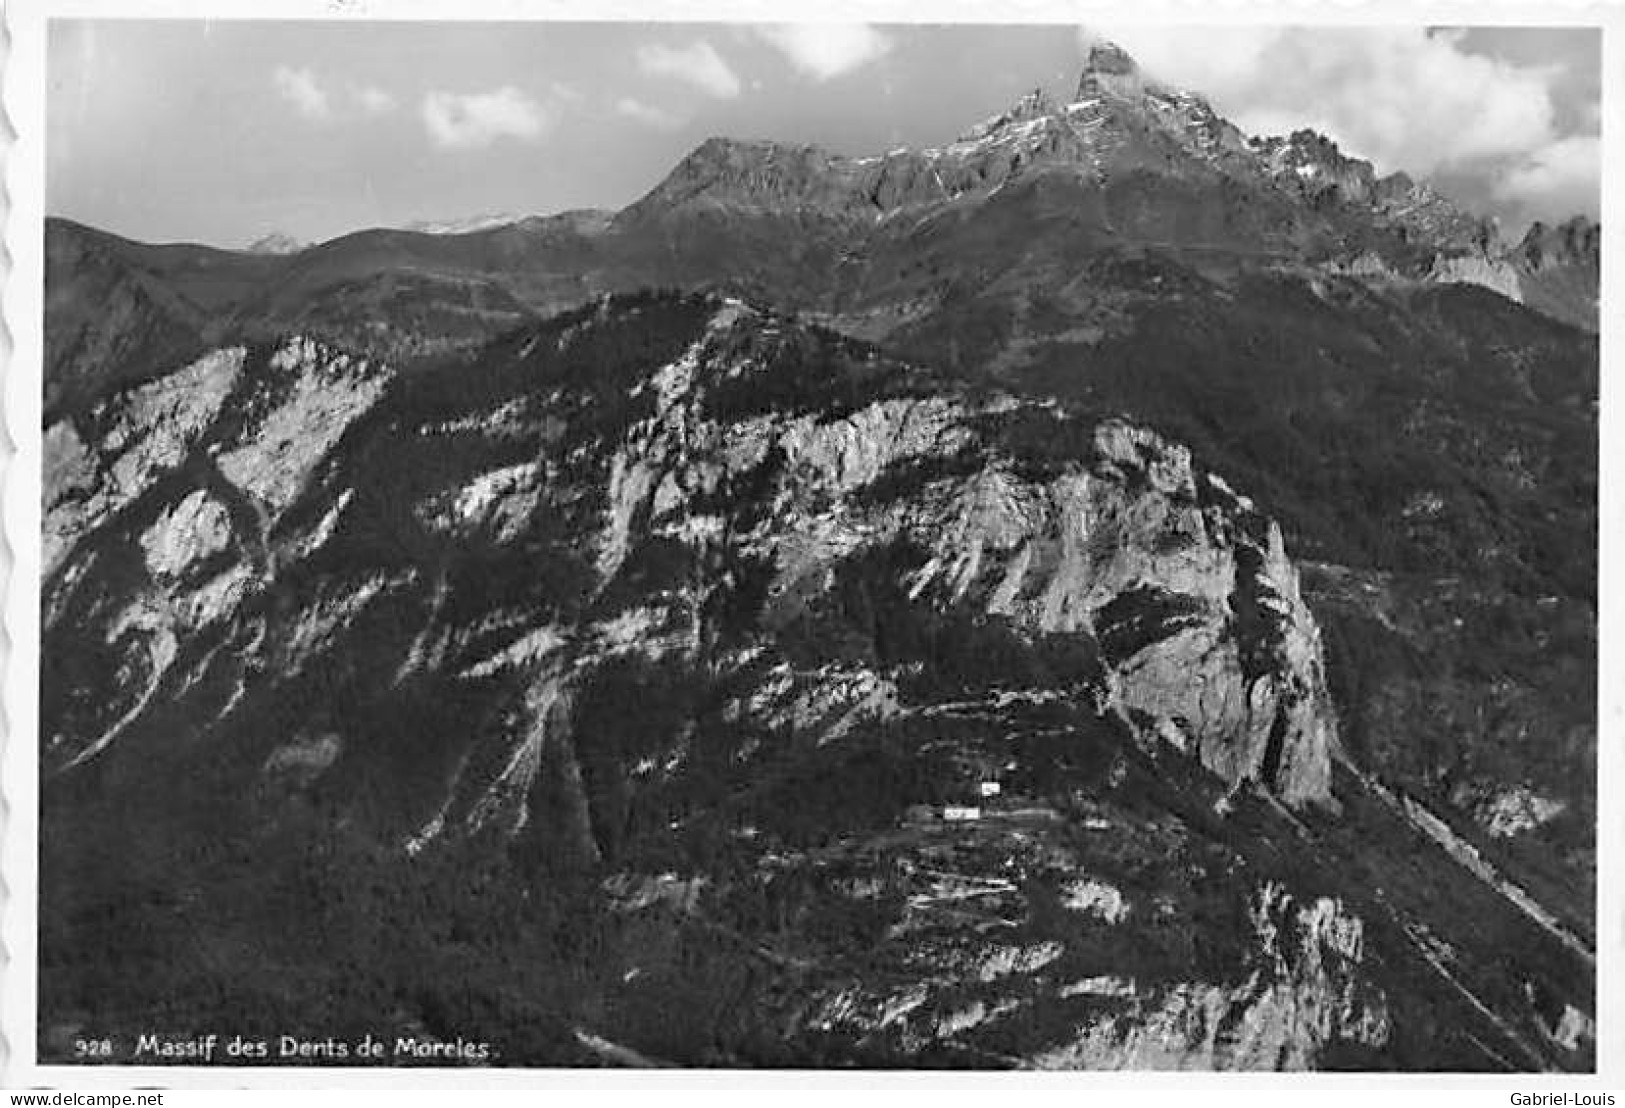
{"points": [[1034, 106], [275, 243], [464, 225]]}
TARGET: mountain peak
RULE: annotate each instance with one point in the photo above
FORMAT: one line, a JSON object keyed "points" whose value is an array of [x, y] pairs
{"points": [[1108, 57], [1316, 164], [1574, 242], [1035, 105], [749, 173], [1036, 102], [1110, 68], [275, 243]]}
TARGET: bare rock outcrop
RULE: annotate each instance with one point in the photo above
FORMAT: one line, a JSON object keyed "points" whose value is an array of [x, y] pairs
{"points": [[1184, 586], [190, 474]]}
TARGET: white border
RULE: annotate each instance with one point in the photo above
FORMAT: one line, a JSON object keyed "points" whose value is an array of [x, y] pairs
{"points": [[23, 87]]}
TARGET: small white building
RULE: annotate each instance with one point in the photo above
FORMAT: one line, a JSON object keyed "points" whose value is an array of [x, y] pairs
{"points": [[989, 788]]}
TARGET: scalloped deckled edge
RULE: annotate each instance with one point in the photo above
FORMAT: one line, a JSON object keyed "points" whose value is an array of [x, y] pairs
{"points": [[22, 62], [22, 205], [8, 451]]}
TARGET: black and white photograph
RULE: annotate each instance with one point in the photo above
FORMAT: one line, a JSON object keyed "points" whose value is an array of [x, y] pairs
{"points": [[1029, 544]]}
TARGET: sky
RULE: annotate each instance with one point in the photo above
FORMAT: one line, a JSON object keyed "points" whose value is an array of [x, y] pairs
{"points": [[225, 131]]}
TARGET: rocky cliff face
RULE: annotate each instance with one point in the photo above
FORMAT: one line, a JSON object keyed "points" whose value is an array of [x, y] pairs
{"points": [[1390, 227], [159, 508], [870, 717], [1559, 269], [1158, 568], [1577, 242]]}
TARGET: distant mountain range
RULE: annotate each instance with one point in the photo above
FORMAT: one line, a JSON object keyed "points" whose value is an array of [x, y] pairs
{"points": [[1107, 592], [1128, 166]]}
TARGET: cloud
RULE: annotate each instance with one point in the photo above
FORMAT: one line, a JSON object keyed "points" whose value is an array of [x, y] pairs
{"points": [[1560, 179], [466, 120], [697, 63], [825, 50], [301, 89], [324, 101], [1401, 96], [648, 114], [373, 100]]}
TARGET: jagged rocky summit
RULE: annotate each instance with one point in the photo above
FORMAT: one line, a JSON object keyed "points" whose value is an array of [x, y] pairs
{"points": [[1122, 126], [872, 717]]}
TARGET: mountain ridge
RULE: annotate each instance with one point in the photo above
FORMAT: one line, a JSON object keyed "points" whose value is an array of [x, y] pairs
{"points": [[1115, 112], [1137, 166], [603, 608]]}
